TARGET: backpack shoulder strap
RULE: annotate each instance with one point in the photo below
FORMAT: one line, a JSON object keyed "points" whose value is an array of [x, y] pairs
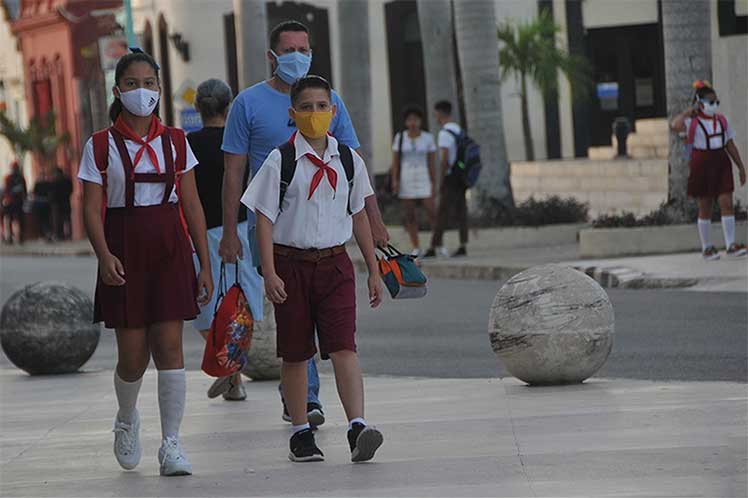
{"points": [[100, 141], [346, 157], [288, 168], [723, 122], [692, 129], [179, 139]]}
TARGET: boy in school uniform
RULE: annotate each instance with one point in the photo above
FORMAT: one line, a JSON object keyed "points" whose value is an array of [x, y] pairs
{"points": [[309, 198]]}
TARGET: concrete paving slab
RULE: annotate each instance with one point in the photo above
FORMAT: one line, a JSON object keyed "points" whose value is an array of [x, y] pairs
{"points": [[443, 437]]}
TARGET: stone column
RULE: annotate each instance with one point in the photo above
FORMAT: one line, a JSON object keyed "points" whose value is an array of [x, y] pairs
{"points": [[250, 18]]}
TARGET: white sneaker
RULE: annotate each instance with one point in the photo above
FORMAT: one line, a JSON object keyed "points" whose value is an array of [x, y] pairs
{"points": [[127, 448], [172, 459], [443, 252], [416, 253]]}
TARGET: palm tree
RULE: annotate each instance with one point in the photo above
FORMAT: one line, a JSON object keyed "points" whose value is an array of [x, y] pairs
{"points": [[40, 138], [475, 26], [528, 50], [686, 33], [437, 37], [355, 86]]}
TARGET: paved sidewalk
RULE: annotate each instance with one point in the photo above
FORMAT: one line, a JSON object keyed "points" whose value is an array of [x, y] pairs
{"points": [[443, 437]]}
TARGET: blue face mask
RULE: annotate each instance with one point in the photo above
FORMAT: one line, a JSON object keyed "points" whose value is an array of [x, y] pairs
{"points": [[292, 66]]}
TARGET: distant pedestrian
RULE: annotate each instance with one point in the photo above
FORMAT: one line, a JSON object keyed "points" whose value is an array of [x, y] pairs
{"points": [[41, 207], [712, 142], [142, 172], [213, 99], [13, 199], [59, 198], [413, 172], [452, 199]]}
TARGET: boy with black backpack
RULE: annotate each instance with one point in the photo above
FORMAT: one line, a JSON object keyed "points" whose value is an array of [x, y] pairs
{"points": [[459, 167], [309, 199]]}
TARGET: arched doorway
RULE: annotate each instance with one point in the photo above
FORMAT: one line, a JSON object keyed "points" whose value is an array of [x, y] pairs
{"points": [[167, 107], [148, 38]]}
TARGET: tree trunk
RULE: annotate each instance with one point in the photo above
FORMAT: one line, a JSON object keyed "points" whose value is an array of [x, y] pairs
{"points": [[355, 84], [686, 31], [478, 51], [435, 20], [250, 19], [526, 129]]}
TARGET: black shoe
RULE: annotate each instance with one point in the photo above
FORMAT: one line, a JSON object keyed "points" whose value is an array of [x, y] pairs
{"points": [[315, 415], [304, 449], [286, 416], [431, 253], [364, 442], [460, 252]]}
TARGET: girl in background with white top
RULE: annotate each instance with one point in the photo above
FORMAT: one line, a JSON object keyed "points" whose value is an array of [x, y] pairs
{"points": [[414, 171], [141, 171], [712, 140]]}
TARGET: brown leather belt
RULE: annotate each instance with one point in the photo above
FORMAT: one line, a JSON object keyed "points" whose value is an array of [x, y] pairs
{"points": [[308, 255]]}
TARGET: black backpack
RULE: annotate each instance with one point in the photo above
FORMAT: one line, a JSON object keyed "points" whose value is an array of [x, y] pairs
{"points": [[288, 168], [468, 165]]}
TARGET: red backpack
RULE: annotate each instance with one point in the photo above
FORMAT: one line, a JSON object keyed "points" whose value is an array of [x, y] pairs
{"points": [[101, 158]]}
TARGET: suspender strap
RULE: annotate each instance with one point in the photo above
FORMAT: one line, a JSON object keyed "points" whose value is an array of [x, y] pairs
{"points": [[129, 169], [168, 176]]}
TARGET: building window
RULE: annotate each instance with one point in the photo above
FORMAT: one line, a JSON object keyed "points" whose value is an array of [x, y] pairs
{"points": [[730, 22]]}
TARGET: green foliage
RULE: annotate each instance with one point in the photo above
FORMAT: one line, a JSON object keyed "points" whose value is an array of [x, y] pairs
{"points": [[40, 138], [532, 213], [673, 213], [529, 50]]}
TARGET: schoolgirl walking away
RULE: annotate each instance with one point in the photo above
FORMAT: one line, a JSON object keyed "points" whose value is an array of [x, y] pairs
{"points": [[710, 170], [140, 172]]}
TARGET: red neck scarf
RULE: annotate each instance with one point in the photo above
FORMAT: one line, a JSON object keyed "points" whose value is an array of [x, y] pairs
{"points": [[713, 119], [323, 168], [154, 131]]}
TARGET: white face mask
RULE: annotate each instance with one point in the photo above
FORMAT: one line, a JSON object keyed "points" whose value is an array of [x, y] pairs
{"points": [[140, 101], [710, 109]]}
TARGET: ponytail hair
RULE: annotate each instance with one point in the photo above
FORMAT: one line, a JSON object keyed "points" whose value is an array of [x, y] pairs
{"points": [[124, 62], [702, 88]]}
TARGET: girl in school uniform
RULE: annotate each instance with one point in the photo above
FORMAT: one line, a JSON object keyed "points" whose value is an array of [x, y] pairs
{"points": [[710, 170], [142, 172]]}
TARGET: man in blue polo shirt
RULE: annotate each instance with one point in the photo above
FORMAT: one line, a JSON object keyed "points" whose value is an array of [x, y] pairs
{"points": [[258, 123]]}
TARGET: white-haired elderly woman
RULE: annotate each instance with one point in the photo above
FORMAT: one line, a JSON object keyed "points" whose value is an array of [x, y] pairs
{"points": [[212, 102]]}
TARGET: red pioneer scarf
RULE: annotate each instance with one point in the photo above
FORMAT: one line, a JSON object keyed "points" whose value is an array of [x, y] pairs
{"points": [[156, 130]]}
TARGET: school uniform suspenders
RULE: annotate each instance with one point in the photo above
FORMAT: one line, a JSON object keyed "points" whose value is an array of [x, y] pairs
{"points": [[709, 136], [131, 178]]}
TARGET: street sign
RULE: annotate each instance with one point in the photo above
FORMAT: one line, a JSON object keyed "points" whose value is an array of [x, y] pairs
{"points": [[190, 119]]}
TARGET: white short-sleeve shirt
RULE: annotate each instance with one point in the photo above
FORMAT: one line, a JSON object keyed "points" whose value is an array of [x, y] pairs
{"points": [[699, 138], [415, 178], [448, 141], [146, 194], [317, 223]]}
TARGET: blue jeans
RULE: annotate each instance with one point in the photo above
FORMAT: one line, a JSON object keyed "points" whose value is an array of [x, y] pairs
{"points": [[312, 375]]}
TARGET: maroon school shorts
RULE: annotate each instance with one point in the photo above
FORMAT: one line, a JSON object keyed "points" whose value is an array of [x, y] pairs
{"points": [[710, 173], [321, 296]]}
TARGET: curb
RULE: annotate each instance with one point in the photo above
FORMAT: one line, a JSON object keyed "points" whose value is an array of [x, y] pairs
{"points": [[626, 278]]}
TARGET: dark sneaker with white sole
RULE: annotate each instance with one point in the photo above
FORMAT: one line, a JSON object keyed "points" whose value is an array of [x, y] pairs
{"points": [[364, 441], [736, 251], [710, 253], [304, 448], [461, 252], [314, 413], [221, 385]]}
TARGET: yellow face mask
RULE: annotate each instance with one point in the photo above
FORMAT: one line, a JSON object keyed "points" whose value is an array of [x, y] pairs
{"points": [[313, 124]]}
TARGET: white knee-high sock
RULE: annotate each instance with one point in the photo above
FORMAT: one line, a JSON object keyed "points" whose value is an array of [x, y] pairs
{"points": [[172, 390], [705, 227], [728, 229], [127, 397]]}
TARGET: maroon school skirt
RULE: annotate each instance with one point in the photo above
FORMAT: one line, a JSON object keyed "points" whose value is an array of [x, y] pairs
{"points": [[160, 282], [710, 173]]}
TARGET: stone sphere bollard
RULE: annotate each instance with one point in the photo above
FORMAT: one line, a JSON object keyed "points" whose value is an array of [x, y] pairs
{"points": [[552, 324], [46, 328], [262, 362]]}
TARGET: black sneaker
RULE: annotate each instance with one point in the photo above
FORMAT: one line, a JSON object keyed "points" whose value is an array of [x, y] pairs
{"points": [[364, 441], [460, 252], [315, 415], [430, 253], [286, 416], [304, 449]]}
